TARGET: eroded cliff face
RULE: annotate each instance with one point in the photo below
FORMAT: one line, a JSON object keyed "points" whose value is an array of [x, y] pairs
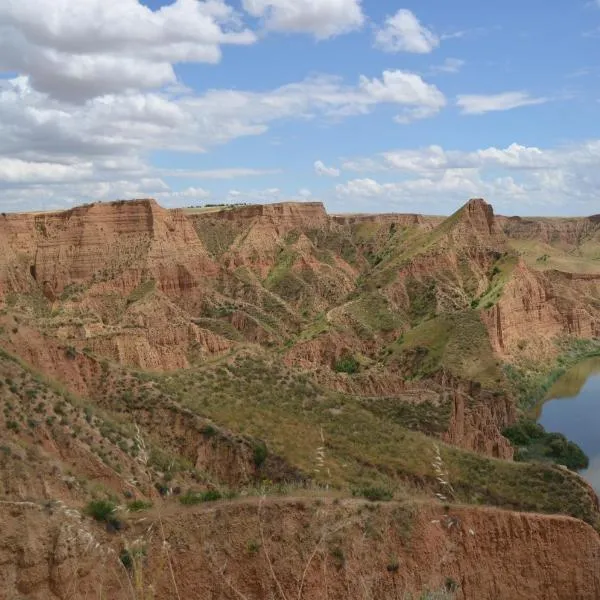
{"points": [[566, 232], [296, 548], [121, 243], [163, 290], [540, 306], [478, 417]]}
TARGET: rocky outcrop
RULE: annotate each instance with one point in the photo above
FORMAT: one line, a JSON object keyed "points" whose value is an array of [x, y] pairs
{"points": [[478, 417], [541, 306], [121, 243], [475, 225], [17, 247], [565, 232], [397, 219]]}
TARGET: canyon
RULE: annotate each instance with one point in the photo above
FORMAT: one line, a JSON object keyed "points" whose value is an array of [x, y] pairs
{"points": [[325, 377]]}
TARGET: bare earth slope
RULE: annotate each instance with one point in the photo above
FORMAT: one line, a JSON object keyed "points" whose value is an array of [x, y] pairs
{"points": [[299, 548]]}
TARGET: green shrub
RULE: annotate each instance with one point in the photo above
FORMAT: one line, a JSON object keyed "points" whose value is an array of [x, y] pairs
{"points": [[534, 443], [129, 557], [190, 498], [101, 510], [346, 364], [260, 454], [374, 494], [138, 505], [208, 431]]}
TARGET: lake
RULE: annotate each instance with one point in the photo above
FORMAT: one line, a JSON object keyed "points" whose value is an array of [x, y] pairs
{"points": [[573, 409]]}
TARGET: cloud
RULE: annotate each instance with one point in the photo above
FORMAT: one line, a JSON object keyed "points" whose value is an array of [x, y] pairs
{"points": [[474, 104], [108, 138], [518, 178], [465, 183], [450, 66], [34, 127], [264, 196], [322, 170], [188, 195], [320, 18], [515, 156], [49, 195], [401, 87], [14, 170], [404, 33], [76, 51], [232, 173]]}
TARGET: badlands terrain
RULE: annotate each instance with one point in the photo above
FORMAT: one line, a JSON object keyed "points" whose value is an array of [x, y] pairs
{"points": [[270, 402]]}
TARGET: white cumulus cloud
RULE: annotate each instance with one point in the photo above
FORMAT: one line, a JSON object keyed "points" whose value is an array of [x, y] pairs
{"points": [[321, 18], [107, 138], [518, 178], [322, 169], [403, 32], [79, 50]]}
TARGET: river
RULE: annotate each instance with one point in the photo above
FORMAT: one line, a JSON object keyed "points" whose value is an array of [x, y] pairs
{"points": [[573, 409]]}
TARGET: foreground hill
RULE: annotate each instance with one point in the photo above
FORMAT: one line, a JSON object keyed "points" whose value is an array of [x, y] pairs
{"points": [[152, 359]]}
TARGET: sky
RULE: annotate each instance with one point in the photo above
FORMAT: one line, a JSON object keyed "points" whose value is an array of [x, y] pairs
{"points": [[367, 106]]}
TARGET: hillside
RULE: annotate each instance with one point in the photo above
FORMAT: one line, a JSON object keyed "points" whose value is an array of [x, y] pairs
{"points": [[289, 367]]}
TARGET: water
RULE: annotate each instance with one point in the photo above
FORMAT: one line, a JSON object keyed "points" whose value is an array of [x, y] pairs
{"points": [[573, 409]]}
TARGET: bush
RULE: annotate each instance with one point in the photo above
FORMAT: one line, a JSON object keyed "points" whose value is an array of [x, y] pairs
{"points": [[190, 498], [534, 443], [129, 557], [347, 364], [260, 454], [208, 431], [374, 494], [101, 510], [138, 505]]}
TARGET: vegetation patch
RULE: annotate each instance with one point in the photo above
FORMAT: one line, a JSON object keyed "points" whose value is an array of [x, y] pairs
{"points": [[347, 364], [374, 494], [141, 291], [191, 498], [216, 234], [534, 443], [104, 511], [456, 341], [532, 382], [423, 300], [262, 399], [429, 417], [373, 313]]}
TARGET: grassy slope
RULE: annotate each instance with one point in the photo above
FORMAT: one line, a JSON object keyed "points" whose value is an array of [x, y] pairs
{"points": [[363, 446], [541, 256], [457, 342]]}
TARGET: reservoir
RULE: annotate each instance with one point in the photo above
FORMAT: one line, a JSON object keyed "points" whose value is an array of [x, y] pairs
{"points": [[573, 409]]}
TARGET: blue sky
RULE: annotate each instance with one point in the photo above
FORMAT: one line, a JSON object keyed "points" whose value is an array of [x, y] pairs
{"points": [[367, 106]]}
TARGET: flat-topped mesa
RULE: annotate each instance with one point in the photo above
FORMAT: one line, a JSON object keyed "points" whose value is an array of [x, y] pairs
{"points": [[123, 241], [402, 220], [565, 231], [290, 215]]}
